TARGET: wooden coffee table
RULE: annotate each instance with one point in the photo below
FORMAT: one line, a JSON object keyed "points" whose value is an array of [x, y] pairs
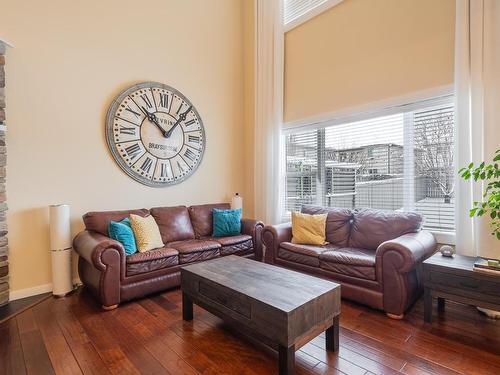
{"points": [[282, 308]]}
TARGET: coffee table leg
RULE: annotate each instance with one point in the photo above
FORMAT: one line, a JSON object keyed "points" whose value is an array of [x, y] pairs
{"points": [[332, 336], [427, 305], [441, 304], [286, 360], [187, 307]]}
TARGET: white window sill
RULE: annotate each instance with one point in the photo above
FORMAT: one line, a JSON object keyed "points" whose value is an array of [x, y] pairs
{"points": [[447, 238]]}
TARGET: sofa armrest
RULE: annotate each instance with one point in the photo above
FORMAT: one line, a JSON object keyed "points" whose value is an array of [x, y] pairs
{"points": [[407, 251], [273, 236], [254, 228], [92, 247]]}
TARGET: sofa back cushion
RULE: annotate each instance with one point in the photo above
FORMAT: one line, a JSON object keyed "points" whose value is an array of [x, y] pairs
{"points": [[338, 223], [201, 217], [372, 227], [174, 223], [98, 221]]}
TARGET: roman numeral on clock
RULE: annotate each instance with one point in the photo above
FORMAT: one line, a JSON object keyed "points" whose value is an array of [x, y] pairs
{"points": [[163, 100], [133, 150], [146, 165], [146, 100], [190, 154], [193, 139], [190, 122], [127, 130], [136, 114], [164, 170], [180, 167]]}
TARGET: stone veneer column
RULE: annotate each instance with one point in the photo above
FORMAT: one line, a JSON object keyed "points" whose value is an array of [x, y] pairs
{"points": [[4, 251]]}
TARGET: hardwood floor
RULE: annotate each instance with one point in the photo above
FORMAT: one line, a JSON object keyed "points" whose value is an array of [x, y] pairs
{"points": [[74, 336]]}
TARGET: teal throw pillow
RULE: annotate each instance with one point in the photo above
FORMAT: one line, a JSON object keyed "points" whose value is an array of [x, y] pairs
{"points": [[226, 222], [122, 232]]}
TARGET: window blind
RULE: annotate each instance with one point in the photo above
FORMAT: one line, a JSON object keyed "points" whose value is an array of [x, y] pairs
{"points": [[293, 9], [401, 161]]}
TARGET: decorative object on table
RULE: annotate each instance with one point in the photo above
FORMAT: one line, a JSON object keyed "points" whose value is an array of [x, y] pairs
{"points": [[237, 202], [60, 246], [226, 222], [490, 206], [447, 251], [308, 229], [455, 279], [155, 134]]}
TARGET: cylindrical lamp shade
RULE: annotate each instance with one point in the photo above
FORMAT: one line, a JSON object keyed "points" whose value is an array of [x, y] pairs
{"points": [[237, 202], [60, 246]]}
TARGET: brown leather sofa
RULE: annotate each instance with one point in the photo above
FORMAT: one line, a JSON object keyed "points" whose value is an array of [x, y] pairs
{"points": [[113, 277], [375, 255]]}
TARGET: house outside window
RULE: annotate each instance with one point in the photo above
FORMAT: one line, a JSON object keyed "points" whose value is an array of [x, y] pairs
{"points": [[402, 161]]}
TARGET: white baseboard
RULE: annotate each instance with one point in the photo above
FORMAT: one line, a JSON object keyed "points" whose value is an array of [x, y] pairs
{"points": [[28, 292], [39, 289]]}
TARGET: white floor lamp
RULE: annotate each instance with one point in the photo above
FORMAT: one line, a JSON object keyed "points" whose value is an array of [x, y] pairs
{"points": [[60, 246]]}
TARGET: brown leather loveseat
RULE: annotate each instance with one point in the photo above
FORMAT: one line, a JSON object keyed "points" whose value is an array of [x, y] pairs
{"points": [[113, 277], [375, 255]]}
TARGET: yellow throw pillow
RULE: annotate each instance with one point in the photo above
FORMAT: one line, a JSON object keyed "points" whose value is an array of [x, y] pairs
{"points": [[146, 232], [308, 229]]}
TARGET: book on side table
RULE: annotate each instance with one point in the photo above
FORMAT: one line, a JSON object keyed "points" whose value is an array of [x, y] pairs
{"points": [[487, 266]]}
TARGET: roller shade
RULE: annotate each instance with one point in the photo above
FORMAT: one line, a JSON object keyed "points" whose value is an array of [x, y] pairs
{"points": [[401, 161]]}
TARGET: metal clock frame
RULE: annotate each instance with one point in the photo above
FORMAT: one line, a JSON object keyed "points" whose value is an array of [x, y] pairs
{"points": [[110, 140]]}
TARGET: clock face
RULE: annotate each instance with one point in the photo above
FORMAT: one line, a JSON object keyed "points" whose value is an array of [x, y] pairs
{"points": [[155, 134]]}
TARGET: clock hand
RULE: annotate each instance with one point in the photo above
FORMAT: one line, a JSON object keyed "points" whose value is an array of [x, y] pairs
{"points": [[152, 118], [181, 118]]}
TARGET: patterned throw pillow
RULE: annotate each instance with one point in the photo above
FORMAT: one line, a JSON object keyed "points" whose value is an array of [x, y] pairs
{"points": [[146, 232], [226, 222]]}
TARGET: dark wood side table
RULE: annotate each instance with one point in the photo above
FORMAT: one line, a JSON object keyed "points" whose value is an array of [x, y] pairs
{"points": [[454, 279]]}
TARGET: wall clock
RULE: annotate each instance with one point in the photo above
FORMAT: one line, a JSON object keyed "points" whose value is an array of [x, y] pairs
{"points": [[155, 134]]}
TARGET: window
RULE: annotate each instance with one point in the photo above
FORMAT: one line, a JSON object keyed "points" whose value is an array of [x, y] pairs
{"points": [[397, 161], [296, 12]]}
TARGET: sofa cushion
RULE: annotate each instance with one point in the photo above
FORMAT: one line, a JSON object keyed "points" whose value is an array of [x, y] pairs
{"points": [[338, 222], [235, 244], [151, 261], [201, 218], [349, 255], [98, 221], [350, 261], [372, 227], [174, 223], [303, 254], [196, 250]]}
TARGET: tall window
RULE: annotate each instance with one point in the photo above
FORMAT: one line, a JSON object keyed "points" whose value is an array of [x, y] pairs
{"points": [[401, 161], [295, 9]]}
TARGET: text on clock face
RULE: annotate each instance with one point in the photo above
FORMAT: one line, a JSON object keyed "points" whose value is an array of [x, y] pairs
{"points": [[156, 134]]}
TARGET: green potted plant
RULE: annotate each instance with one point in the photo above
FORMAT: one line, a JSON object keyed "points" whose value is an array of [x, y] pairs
{"points": [[490, 205]]}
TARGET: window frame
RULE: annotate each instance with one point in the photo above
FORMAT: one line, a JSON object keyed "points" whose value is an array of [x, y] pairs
{"points": [[404, 103]]}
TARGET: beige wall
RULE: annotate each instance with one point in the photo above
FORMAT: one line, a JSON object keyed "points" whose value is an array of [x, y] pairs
{"points": [[363, 51], [70, 59]]}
